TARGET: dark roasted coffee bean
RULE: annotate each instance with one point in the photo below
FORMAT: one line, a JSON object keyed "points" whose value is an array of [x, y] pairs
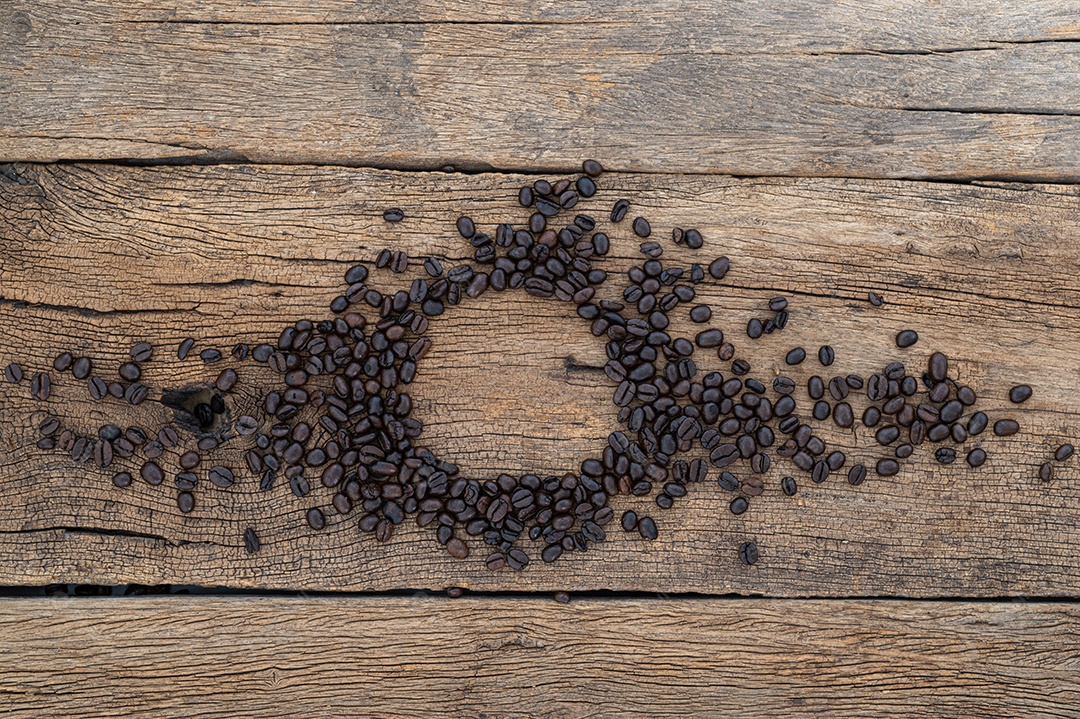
{"points": [[843, 415], [820, 472], [795, 356], [184, 348], [122, 479], [738, 506], [789, 486], [466, 227], [433, 267], [1046, 472], [246, 425], [641, 227], [142, 352], [951, 411], [701, 313], [189, 460], [877, 387], [81, 368], [719, 267], [135, 393], [63, 362], [906, 338], [822, 409], [976, 424], [629, 521], [130, 371], [875, 299], [221, 476], [1006, 427], [210, 355], [748, 553], [1020, 393], [98, 388], [40, 386], [939, 367], [48, 426], [976, 457], [887, 467], [315, 519], [728, 482], [13, 373], [647, 528], [103, 453], [152, 473], [966, 395], [838, 388], [777, 303], [826, 355], [1063, 452], [945, 455], [709, 338], [904, 451], [754, 328], [592, 168], [618, 212], [204, 415], [393, 215], [185, 501], [857, 475]]}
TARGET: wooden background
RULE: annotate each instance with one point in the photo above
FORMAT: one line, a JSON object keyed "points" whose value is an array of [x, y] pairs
{"points": [[211, 169]]}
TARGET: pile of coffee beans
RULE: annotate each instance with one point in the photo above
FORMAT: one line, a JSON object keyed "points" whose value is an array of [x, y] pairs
{"points": [[340, 432]]}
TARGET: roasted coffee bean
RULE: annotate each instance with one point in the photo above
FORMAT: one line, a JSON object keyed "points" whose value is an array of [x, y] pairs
{"points": [[709, 338], [1046, 472], [204, 415], [843, 415], [98, 389], [210, 355], [226, 380], [135, 393], [142, 352], [719, 267], [647, 528], [795, 356], [820, 472], [976, 457], [81, 368], [251, 541], [1006, 427], [1063, 452], [1020, 393], [189, 460], [130, 371], [152, 473], [738, 506], [103, 453], [906, 338], [945, 455], [875, 299], [184, 348], [857, 474], [185, 501], [629, 521], [728, 482], [122, 479], [939, 367], [221, 476], [13, 373], [641, 227], [754, 328], [393, 215], [789, 486], [838, 388], [976, 424], [887, 467], [903, 451], [40, 386], [748, 553], [63, 362], [48, 426], [826, 355]]}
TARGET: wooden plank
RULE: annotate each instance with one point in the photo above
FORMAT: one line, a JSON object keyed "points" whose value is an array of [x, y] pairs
{"points": [[898, 89], [97, 257], [335, 657]]}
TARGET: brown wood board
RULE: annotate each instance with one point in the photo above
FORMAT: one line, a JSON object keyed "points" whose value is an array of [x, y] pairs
{"points": [[97, 257]]}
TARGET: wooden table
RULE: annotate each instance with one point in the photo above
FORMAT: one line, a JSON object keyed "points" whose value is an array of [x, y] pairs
{"points": [[210, 169]]}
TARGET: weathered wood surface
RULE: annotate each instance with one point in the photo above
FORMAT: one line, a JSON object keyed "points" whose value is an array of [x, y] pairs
{"points": [[96, 257], [894, 88], [275, 657]]}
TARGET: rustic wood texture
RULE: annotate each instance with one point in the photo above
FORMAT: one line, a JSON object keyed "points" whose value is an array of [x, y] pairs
{"points": [[97, 257], [892, 88], [299, 658]]}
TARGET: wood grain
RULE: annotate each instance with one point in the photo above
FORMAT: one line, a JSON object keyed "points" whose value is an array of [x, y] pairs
{"points": [[97, 257], [334, 657], [896, 88]]}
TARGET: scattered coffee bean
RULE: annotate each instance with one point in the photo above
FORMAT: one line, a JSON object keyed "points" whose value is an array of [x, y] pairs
{"points": [[1020, 393], [748, 553]]}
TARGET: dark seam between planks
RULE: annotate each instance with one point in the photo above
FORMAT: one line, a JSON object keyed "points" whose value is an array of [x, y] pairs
{"points": [[93, 531]]}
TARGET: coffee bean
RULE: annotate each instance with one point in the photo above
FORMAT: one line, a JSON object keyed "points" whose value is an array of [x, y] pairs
{"points": [[976, 424], [185, 501], [49, 425], [754, 328], [393, 215], [795, 356], [820, 472], [719, 267], [63, 362], [647, 528], [1006, 427], [592, 168], [789, 486], [748, 553], [130, 371], [843, 416], [618, 211], [641, 227], [13, 373], [81, 368], [122, 479], [945, 455], [976, 457], [738, 506], [887, 467], [875, 299], [826, 355], [142, 352], [857, 474], [906, 338], [40, 386], [152, 473], [135, 393], [97, 387], [184, 348], [709, 338], [1063, 452], [209, 356], [939, 367], [1046, 472], [1020, 393], [103, 453]]}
